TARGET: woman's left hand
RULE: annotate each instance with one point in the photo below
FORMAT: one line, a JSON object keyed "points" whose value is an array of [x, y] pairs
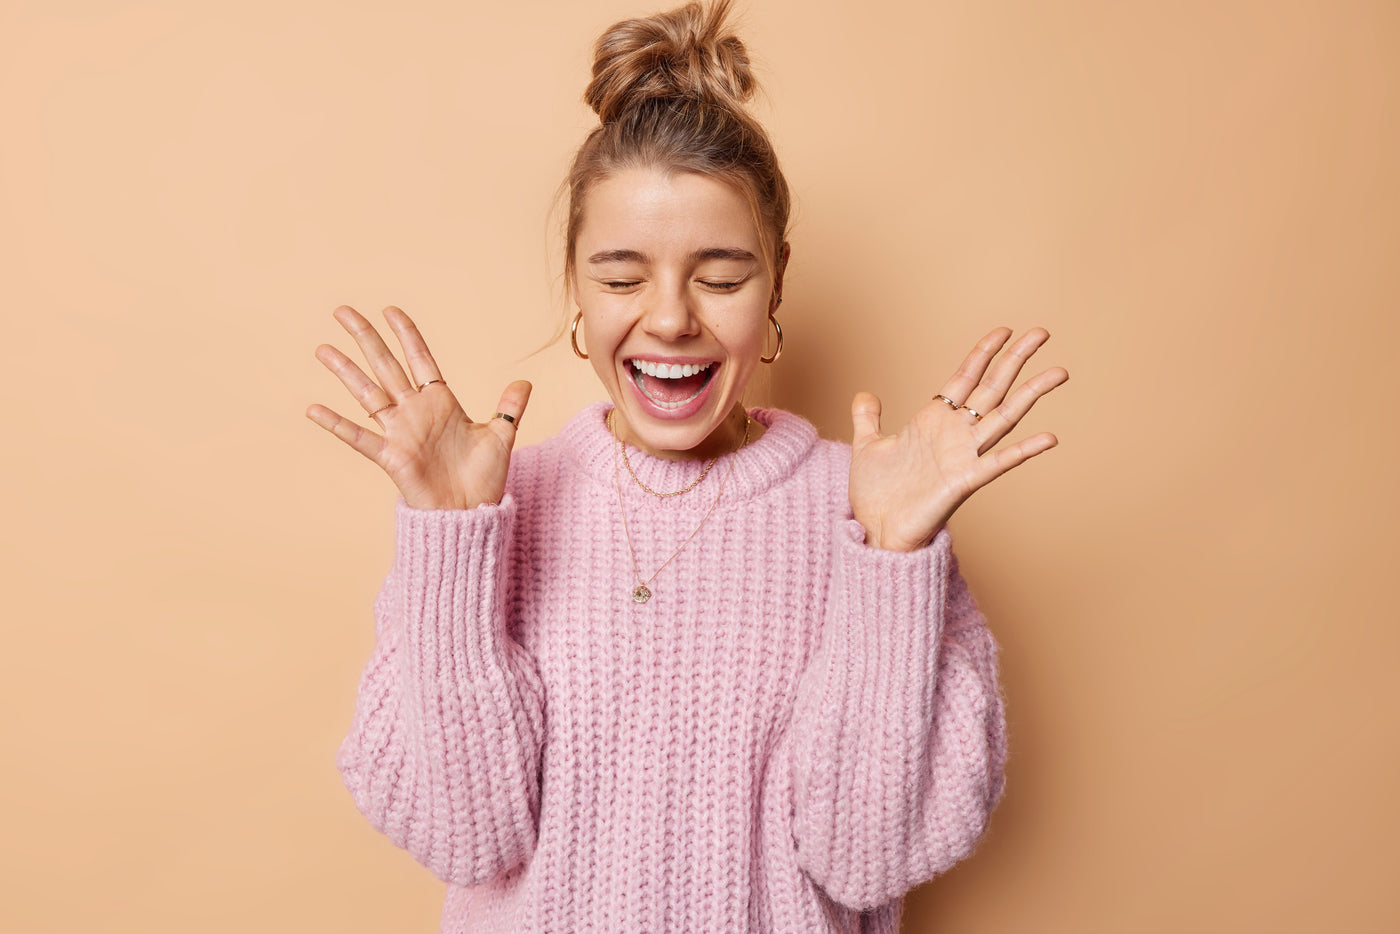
{"points": [[905, 487]]}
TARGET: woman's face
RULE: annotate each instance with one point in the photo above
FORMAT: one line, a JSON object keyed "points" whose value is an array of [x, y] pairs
{"points": [[675, 295]]}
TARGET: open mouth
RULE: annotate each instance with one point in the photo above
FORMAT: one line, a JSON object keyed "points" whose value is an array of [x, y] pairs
{"points": [[672, 385]]}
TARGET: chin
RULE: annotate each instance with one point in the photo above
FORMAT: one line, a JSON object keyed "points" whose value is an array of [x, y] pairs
{"points": [[671, 435]]}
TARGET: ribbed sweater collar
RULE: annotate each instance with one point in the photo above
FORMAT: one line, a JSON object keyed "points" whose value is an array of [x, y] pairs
{"points": [[761, 464]]}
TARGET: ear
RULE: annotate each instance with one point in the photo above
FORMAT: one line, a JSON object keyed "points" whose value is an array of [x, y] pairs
{"points": [[783, 256]]}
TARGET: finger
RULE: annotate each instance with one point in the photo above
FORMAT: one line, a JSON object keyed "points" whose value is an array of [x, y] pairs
{"points": [[997, 423], [960, 386], [366, 391], [865, 419], [992, 390], [513, 402], [421, 364], [381, 359], [361, 439], [999, 462]]}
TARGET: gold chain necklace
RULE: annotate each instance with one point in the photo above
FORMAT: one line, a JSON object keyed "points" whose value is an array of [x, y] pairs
{"points": [[641, 593], [628, 464]]}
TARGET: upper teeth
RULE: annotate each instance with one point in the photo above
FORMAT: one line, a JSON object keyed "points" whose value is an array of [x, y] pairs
{"points": [[669, 370]]}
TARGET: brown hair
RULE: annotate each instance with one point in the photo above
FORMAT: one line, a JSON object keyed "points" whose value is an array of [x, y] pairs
{"points": [[670, 91]]}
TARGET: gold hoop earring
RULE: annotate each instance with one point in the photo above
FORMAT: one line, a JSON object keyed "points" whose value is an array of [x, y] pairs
{"points": [[573, 336], [778, 352]]}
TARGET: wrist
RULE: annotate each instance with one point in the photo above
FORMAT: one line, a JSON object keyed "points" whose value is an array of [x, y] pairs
{"points": [[451, 499], [445, 505], [879, 534], [892, 544], [877, 537]]}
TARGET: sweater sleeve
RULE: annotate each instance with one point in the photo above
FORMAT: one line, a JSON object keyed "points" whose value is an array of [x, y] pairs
{"points": [[443, 753], [900, 737]]}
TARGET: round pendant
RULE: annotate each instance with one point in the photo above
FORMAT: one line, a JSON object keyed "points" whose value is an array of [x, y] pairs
{"points": [[640, 593]]}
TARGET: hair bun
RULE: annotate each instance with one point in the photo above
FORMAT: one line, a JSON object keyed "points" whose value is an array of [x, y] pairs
{"points": [[683, 53]]}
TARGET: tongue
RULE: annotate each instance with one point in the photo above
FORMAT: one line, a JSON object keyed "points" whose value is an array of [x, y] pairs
{"points": [[673, 390]]}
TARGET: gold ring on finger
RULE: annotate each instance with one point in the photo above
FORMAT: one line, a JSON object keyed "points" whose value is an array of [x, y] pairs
{"points": [[951, 404], [382, 408], [975, 414], [430, 382], [509, 418]]}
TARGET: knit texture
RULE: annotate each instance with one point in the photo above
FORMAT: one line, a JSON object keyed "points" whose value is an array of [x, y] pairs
{"points": [[793, 732]]}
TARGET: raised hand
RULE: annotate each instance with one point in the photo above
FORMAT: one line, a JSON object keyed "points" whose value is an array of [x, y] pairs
{"points": [[437, 456], [905, 487]]}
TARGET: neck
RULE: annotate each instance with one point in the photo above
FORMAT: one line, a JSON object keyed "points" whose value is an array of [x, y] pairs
{"points": [[726, 437]]}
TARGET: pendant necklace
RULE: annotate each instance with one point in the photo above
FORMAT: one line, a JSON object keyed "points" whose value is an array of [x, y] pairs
{"points": [[641, 593]]}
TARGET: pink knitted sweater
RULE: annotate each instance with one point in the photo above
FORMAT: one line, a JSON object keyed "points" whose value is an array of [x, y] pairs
{"points": [[792, 733]]}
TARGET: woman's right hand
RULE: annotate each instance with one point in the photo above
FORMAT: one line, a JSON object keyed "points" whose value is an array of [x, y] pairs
{"points": [[437, 456]]}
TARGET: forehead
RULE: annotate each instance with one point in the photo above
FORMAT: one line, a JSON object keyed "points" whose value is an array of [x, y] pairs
{"points": [[659, 213]]}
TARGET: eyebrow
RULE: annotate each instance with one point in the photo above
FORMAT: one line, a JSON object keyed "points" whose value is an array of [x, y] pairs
{"points": [[636, 256]]}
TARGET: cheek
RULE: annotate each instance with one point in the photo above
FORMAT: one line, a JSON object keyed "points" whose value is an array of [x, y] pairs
{"points": [[747, 339], [602, 332], [604, 370]]}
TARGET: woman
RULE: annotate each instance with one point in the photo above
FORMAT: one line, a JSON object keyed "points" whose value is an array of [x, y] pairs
{"points": [[684, 666]]}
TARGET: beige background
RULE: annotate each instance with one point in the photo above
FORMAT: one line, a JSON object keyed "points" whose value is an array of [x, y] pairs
{"points": [[1194, 592]]}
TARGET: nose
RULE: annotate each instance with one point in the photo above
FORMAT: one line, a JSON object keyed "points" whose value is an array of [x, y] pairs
{"points": [[670, 314]]}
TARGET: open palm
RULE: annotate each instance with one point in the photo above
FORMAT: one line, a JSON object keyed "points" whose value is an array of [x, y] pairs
{"points": [[433, 452], [904, 487]]}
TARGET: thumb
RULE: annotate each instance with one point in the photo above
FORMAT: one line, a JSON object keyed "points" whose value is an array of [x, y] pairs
{"points": [[865, 419], [513, 402]]}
